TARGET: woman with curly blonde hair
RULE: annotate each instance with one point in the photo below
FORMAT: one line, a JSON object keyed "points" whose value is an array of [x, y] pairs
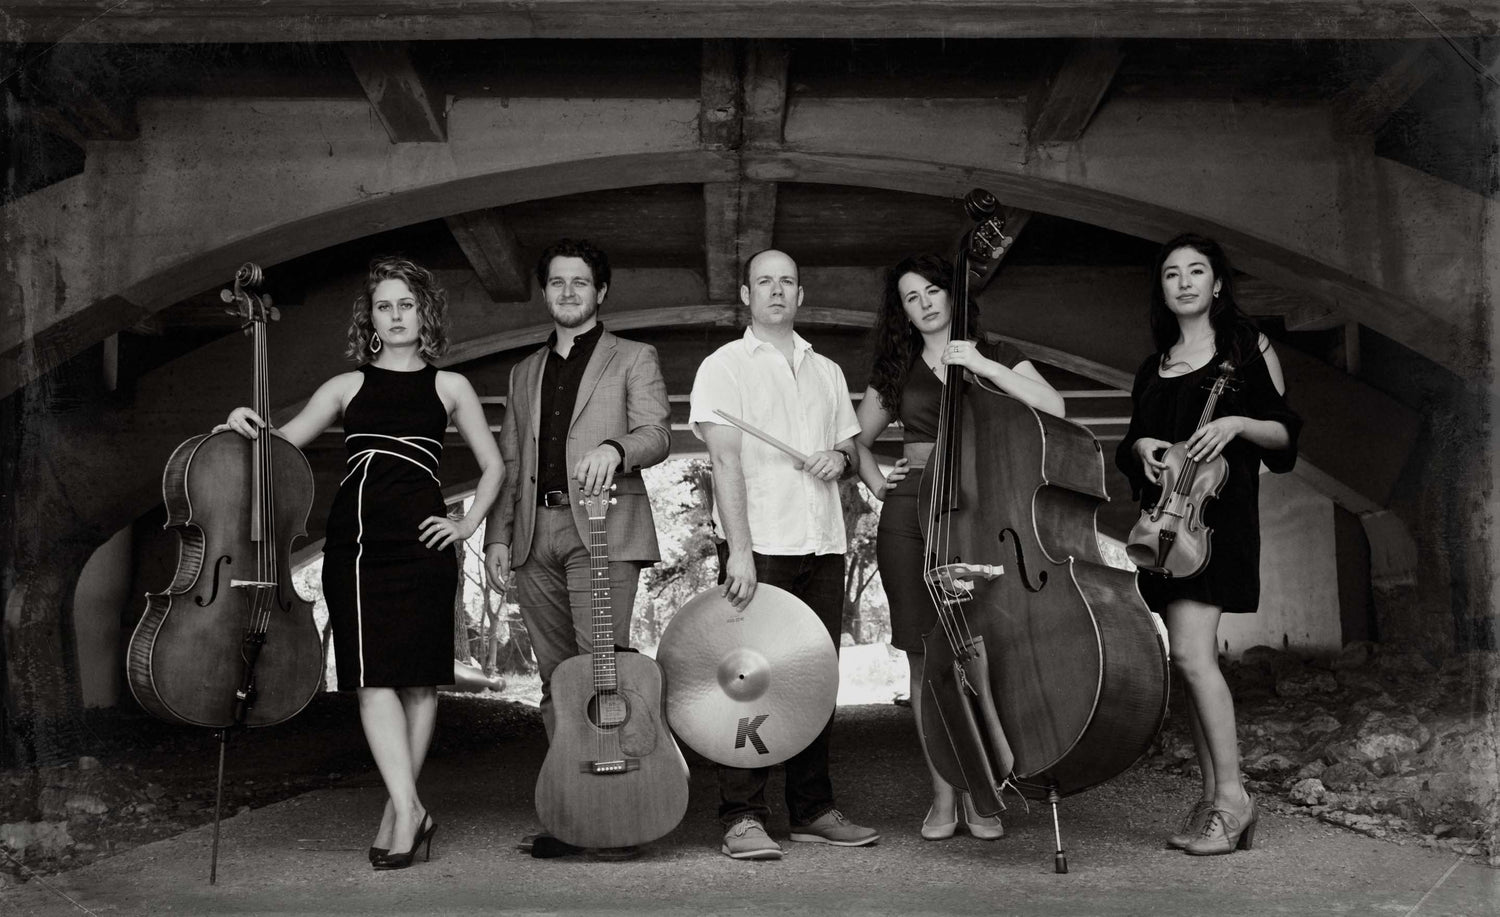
{"points": [[389, 576]]}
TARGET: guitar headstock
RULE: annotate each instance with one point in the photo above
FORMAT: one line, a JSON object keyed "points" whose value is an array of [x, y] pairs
{"points": [[598, 505]]}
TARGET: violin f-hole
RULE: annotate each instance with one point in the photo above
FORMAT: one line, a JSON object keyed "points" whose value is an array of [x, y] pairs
{"points": [[1041, 578], [222, 561]]}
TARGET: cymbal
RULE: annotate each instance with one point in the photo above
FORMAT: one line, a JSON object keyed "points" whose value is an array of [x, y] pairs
{"points": [[748, 687]]}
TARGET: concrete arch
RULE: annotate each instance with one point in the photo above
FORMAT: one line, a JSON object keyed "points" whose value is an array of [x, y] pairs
{"points": [[94, 254]]}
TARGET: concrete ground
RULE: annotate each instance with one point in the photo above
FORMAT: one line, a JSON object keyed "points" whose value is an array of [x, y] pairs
{"points": [[307, 856]]}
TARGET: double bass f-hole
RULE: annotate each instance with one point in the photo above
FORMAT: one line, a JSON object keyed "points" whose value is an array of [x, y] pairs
{"points": [[1015, 540]]}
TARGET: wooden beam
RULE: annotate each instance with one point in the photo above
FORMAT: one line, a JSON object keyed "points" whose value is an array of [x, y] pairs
{"points": [[721, 219], [411, 110], [494, 253], [1298, 311], [739, 216], [1060, 112], [721, 93], [1364, 109], [434, 20], [1313, 317], [766, 65], [757, 217]]}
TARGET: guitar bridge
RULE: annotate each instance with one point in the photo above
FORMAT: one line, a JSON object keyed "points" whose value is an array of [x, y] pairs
{"points": [[602, 768]]}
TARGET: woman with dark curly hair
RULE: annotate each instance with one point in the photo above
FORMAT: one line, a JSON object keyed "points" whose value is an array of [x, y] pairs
{"points": [[914, 344], [1196, 326], [389, 576]]}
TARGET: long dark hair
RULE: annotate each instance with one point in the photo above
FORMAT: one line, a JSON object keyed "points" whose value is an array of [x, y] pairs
{"points": [[895, 341], [432, 307], [1234, 333]]}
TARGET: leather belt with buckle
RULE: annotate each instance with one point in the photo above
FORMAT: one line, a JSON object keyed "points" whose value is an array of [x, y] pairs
{"points": [[553, 498]]}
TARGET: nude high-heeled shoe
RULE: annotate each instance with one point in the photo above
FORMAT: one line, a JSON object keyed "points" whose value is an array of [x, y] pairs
{"points": [[934, 830], [984, 827]]}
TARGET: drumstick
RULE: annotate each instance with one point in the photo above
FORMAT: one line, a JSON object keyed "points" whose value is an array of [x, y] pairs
{"points": [[762, 435]]}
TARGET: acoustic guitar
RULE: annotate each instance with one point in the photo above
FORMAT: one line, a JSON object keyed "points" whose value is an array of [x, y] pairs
{"points": [[613, 776]]}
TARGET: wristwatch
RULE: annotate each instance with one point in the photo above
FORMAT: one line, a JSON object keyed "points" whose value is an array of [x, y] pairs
{"points": [[849, 465]]}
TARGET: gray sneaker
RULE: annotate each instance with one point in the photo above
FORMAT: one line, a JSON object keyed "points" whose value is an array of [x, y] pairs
{"points": [[833, 828], [746, 839]]}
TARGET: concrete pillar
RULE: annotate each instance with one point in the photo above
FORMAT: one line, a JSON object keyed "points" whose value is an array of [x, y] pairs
{"points": [[99, 602], [1299, 577]]}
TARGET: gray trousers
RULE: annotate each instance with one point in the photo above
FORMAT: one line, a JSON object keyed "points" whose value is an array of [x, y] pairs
{"points": [[556, 598]]}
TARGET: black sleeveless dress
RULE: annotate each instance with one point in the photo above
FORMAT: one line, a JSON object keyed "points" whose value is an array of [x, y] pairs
{"points": [[899, 548], [1168, 408], [390, 598]]}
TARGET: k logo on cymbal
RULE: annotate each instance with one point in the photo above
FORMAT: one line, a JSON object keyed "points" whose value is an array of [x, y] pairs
{"points": [[747, 730]]}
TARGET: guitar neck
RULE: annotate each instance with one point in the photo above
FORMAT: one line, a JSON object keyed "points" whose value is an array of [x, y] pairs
{"points": [[605, 678]]}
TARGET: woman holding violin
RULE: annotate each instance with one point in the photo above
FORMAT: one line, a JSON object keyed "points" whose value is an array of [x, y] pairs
{"points": [[389, 574], [913, 344], [1196, 327]]}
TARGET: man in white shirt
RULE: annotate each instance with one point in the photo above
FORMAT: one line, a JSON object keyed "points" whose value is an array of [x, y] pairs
{"points": [[779, 523]]}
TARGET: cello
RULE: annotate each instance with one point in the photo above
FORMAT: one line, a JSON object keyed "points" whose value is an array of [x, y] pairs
{"points": [[1045, 672], [229, 643]]}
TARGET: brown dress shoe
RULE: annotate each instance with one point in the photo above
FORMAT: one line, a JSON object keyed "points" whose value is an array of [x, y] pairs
{"points": [[1224, 832]]}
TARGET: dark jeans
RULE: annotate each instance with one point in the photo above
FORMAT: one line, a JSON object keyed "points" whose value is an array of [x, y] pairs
{"points": [[818, 580]]}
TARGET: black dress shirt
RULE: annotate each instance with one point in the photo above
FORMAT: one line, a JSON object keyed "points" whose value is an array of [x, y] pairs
{"points": [[561, 377]]}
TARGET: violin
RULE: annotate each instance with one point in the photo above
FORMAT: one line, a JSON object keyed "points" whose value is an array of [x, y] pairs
{"points": [[230, 643], [1045, 672], [1170, 537]]}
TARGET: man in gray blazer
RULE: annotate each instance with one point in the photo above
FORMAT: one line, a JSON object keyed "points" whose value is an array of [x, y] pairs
{"points": [[586, 411]]}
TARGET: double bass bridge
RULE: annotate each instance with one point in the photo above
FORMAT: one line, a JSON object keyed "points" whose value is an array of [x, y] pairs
{"points": [[956, 580]]}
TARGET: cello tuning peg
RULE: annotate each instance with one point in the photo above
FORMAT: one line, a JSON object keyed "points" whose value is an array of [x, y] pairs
{"points": [[226, 295], [274, 313]]}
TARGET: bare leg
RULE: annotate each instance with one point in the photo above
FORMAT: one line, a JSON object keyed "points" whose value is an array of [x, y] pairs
{"points": [[420, 708], [1193, 628], [1200, 745], [384, 720]]}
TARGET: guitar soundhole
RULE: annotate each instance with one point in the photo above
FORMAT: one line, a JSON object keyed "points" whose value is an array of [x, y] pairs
{"points": [[608, 711]]}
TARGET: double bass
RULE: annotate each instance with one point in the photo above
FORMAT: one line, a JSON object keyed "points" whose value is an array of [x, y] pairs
{"points": [[230, 644], [1045, 672]]}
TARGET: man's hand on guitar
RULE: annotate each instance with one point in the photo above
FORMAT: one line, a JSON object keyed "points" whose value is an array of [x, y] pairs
{"points": [[739, 578], [497, 565], [596, 470]]}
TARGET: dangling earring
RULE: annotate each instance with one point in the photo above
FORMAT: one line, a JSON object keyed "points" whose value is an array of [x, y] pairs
{"points": [[376, 343]]}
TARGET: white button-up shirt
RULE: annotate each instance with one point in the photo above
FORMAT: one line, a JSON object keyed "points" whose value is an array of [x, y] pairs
{"points": [[805, 405]]}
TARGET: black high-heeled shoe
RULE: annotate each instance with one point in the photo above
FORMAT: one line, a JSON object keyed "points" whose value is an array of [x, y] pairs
{"points": [[403, 860]]}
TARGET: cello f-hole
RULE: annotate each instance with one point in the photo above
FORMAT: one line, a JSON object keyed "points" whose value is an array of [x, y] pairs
{"points": [[224, 559], [1041, 578]]}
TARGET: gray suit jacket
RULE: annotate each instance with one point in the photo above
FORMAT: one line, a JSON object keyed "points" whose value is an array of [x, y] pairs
{"points": [[622, 397]]}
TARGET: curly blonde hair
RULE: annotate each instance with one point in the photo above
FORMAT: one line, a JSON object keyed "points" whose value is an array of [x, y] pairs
{"points": [[432, 307]]}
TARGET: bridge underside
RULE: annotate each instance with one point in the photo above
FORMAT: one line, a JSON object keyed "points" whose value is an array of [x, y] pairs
{"points": [[1341, 155]]}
